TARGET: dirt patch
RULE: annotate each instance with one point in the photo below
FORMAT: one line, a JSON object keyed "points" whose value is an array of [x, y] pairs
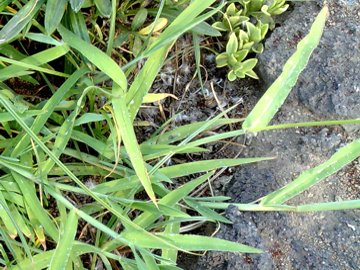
{"points": [[326, 90]]}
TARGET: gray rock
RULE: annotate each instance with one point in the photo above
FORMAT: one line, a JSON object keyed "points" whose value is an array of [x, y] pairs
{"points": [[330, 84], [328, 88]]}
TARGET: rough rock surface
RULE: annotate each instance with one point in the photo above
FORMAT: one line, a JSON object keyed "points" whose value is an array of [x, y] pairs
{"points": [[328, 88], [330, 84]]}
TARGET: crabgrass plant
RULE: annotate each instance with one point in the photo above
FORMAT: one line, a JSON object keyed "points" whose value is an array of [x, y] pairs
{"points": [[77, 190]]}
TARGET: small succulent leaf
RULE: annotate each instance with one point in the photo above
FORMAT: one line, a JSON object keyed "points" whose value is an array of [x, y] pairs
{"points": [[252, 74], [258, 48], [221, 60], [240, 55], [249, 64], [231, 10], [231, 76], [219, 26], [232, 44], [264, 27], [248, 45], [265, 9]]}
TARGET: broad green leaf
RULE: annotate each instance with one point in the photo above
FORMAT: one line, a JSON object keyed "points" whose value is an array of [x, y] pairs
{"points": [[65, 244], [275, 96], [139, 19], [54, 12], [307, 179], [20, 20]]}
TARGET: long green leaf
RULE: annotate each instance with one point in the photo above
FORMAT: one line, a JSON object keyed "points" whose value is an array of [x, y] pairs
{"points": [[54, 12], [129, 138], [48, 108], [100, 59], [190, 242], [275, 96], [66, 241], [20, 20], [206, 165], [33, 61], [313, 176]]}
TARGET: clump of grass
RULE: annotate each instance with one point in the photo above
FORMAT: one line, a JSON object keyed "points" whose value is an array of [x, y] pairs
{"points": [[77, 190]]}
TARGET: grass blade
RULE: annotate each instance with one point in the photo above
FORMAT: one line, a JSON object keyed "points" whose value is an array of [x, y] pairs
{"points": [[66, 241], [275, 96], [313, 176], [20, 20], [206, 165], [54, 12], [100, 59], [124, 123], [143, 81], [190, 242]]}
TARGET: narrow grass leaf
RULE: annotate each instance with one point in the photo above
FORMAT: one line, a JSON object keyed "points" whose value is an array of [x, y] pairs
{"points": [[207, 212], [183, 22], [275, 96], [144, 80], [33, 62], [65, 244], [76, 4], [146, 218], [124, 123], [206, 165], [104, 7], [20, 20], [54, 12], [329, 206], [100, 59], [189, 242], [184, 131], [48, 109], [307, 179]]}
